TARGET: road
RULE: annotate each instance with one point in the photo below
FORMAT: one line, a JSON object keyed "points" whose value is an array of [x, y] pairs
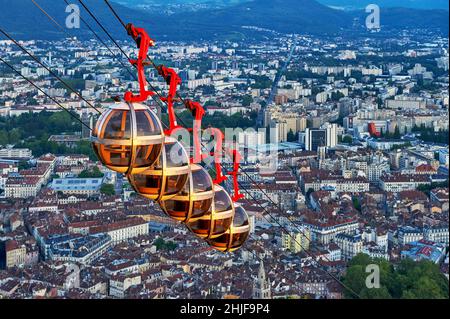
{"points": [[280, 73]]}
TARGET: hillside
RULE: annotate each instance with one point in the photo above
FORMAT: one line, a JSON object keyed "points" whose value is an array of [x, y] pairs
{"points": [[23, 20]]}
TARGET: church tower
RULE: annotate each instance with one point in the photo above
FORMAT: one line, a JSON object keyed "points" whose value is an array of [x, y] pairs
{"points": [[261, 286]]}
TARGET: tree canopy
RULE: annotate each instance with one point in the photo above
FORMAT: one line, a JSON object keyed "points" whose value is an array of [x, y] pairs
{"points": [[406, 280], [107, 189], [161, 244], [32, 130], [91, 173]]}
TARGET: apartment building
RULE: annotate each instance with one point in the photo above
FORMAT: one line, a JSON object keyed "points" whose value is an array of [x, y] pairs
{"points": [[408, 234], [324, 231], [15, 254], [24, 153], [123, 229], [22, 187], [350, 244], [397, 183], [297, 240]]}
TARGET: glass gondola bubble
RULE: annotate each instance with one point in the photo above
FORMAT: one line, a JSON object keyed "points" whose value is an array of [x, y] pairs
{"points": [[195, 199], [236, 235], [167, 177], [128, 138], [219, 221]]}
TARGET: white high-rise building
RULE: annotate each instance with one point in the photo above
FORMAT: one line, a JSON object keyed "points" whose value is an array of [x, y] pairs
{"points": [[251, 138], [331, 135], [25, 71], [325, 136], [278, 131], [42, 72], [314, 138]]}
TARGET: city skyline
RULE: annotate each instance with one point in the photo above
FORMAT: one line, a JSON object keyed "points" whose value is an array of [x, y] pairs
{"points": [[344, 144]]}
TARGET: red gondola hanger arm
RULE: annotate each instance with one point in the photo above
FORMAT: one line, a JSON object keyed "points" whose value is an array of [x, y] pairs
{"points": [[197, 112], [236, 157], [234, 173], [219, 137], [144, 42], [173, 80]]}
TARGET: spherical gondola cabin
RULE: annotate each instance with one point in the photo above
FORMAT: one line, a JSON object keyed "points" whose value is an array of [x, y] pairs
{"points": [[236, 235], [195, 199], [128, 138], [219, 221], [167, 177]]}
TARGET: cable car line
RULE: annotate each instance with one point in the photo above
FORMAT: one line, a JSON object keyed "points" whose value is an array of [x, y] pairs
{"points": [[48, 69], [45, 93], [101, 26], [124, 25], [53, 20], [306, 251], [89, 27], [148, 57], [154, 65], [50, 17], [158, 101], [160, 98], [101, 40], [248, 176], [75, 117]]}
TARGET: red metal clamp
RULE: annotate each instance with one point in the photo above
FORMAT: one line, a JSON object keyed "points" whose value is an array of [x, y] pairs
{"points": [[235, 172], [173, 80], [219, 137], [143, 42], [197, 112]]}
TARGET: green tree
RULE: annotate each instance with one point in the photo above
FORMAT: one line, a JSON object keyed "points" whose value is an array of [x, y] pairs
{"points": [[347, 139], [170, 245], [356, 203], [107, 189], [355, 279], [159, 243], [291, 136], [247, 100], [427, 188], [93, 173], [336, 96], [380, 293], [424, 289], [24, 165], [14, 136], [396, 132], [208, 89], [3, 138], [408, 279], [360, 259]]}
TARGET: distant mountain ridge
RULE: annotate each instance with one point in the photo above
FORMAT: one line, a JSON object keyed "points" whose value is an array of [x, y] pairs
{"points": [[414, 4], [280, 15], [23, 20]]}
